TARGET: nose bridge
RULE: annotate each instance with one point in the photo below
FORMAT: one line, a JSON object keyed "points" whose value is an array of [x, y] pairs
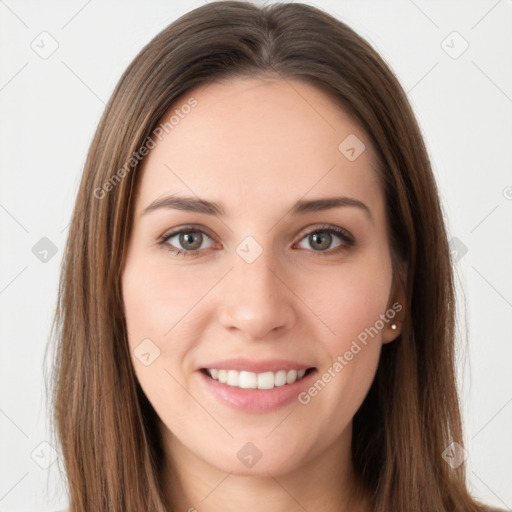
{"points": [[255, 300], [254, 277]]}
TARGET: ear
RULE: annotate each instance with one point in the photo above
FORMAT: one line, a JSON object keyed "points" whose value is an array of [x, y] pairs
{"points": [[395, 312]]}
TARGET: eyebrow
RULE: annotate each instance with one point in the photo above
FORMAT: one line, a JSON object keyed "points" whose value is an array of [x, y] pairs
{"points": [[301, 207]]}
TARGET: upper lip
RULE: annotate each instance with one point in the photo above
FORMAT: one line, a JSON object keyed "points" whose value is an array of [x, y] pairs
{"points": [[256, 366]]}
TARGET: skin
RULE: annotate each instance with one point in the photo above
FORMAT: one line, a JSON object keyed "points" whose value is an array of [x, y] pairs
{"points": [[257, 146]]}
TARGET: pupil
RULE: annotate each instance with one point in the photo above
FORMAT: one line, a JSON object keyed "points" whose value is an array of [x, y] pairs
{"points": [[189, 239], [318, 239]]}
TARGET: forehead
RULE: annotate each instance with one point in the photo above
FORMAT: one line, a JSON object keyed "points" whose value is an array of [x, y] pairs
{"points": [[250, 141]]}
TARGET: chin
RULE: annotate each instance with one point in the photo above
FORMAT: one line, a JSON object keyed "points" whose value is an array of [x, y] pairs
{"points": [[263, 464]]}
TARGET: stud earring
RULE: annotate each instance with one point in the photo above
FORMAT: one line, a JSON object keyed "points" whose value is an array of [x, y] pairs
{"points": [[394, 327]]}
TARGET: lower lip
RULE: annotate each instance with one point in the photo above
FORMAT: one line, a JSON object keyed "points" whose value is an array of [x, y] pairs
{"points": [[256, 400]]}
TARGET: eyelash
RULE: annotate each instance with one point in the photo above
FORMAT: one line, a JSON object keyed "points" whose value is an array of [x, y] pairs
{"points": [[348, 241]]}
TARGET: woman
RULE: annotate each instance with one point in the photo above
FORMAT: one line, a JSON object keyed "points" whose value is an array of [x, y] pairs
{"points": [[256, 306]]}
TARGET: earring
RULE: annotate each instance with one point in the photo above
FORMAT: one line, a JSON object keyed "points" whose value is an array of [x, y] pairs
{"points": [[394, 327]]}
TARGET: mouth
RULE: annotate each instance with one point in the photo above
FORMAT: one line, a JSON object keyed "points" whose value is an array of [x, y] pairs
{"points": [[251, 380], [264, 392], [255, 385]]}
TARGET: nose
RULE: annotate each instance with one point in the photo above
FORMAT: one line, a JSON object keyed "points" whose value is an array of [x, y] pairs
{"points": [[256, 299]]}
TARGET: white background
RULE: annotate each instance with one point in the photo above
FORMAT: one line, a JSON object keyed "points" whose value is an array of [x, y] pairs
{"points": [[50, 107]]}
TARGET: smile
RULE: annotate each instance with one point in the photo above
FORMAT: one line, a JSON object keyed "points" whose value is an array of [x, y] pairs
{"points": [[251, 380]]}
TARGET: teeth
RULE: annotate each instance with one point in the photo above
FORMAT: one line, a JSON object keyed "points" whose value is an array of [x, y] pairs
{"points": [[223, 376], [291, 376], [250, 380], [247, 380], [280, 378]]}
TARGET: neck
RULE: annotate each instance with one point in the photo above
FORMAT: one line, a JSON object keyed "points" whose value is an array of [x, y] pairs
{"points": [[326, 483]]}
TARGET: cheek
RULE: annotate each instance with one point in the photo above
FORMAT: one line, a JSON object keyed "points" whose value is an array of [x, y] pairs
{"points": [[349, 303], [158, 308], [160, 302], [165, 318], [353, 308]]}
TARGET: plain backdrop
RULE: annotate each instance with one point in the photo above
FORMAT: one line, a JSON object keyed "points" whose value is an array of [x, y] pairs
{"points": [[59, 64]]}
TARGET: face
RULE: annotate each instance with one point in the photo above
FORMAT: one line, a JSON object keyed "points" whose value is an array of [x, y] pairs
{"points": [[256, 322]]}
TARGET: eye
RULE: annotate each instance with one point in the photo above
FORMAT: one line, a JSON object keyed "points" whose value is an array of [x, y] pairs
{"points": [[321, 239], [190, 240]]}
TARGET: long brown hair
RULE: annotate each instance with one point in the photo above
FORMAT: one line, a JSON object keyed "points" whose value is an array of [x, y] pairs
{"points": [[106, 428]]}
